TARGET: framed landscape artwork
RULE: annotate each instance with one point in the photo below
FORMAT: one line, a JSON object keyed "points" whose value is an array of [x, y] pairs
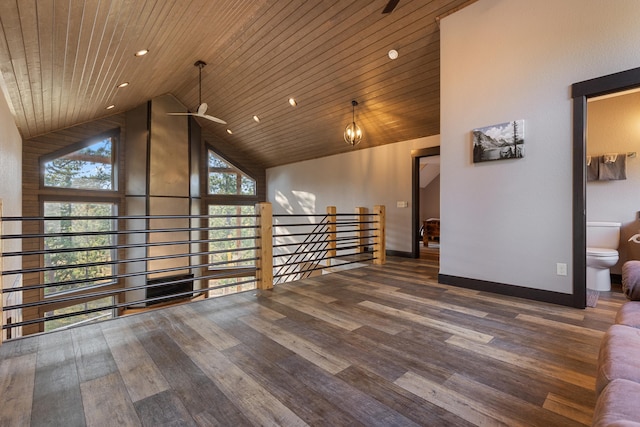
{"points": [[499, 142]]}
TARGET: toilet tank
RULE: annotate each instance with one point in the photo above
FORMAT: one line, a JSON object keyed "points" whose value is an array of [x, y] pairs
{"points": [[603, 235]]}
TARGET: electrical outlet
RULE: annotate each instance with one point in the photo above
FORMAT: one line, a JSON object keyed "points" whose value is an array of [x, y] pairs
{"points": [[561, 269], [402, 204]]}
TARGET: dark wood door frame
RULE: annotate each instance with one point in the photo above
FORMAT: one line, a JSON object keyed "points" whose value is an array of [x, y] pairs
{"points": [[580, 92], [415, 198]]}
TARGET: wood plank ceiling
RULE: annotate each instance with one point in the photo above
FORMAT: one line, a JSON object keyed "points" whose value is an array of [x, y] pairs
{"points": [[62, 61]]}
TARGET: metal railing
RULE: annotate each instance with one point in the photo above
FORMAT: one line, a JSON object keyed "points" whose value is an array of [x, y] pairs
{"points": [[73, 270]]}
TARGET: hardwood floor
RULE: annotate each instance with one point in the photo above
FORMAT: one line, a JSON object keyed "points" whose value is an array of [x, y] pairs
{"points": [[370, 346]]}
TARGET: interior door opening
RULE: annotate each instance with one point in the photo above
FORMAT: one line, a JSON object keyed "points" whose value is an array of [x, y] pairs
{"points": [[426, 203]]}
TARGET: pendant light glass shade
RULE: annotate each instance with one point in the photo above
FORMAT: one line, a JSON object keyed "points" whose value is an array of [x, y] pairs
{"points": [[353, 133]]}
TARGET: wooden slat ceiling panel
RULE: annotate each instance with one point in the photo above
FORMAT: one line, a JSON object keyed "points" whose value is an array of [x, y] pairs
{"points": [[61, 62]]}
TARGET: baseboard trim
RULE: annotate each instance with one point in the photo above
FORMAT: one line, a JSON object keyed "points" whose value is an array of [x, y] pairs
{"points": [[510, 290], [399, 254]]}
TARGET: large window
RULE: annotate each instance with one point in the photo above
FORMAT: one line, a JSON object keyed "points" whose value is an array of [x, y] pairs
{"points": [[226, 179], [90, 167], [66, 252], [80, 197], [232, 201]]}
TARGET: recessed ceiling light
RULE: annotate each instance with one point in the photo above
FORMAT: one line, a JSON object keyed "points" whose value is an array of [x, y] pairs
{"points": [[293, 102], [229, 132], [257, 119], [393, 54], [142, 52], [123, 84], [110, 107]]}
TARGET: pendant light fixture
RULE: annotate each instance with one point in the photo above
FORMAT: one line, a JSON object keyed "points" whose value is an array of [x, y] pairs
{"points": [[353, 133]]}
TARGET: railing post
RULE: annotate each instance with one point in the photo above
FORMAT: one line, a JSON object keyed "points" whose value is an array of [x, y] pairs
{"points": [[264, 270], [360, 233], [331, 234], [379, 243]]}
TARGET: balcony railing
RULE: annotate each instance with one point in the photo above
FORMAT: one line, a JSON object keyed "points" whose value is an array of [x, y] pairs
{"points": [[72, 270]]}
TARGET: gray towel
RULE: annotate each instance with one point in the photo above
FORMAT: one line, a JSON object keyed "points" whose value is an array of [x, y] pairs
{"points": [[612, 170], [592, 168]]}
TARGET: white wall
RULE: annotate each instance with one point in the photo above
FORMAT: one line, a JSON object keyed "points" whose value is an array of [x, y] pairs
{"points": [[510, 221], [613, 126], [11, 197], [368, 177]]}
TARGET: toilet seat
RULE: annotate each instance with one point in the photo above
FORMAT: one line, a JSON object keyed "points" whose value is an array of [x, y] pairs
{"points": [[602, 252]]}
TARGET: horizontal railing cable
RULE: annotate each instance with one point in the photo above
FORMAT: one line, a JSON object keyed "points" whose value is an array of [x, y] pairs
{"points": [[125, 246], [121, 305]]}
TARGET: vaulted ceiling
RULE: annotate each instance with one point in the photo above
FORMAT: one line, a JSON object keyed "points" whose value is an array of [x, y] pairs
{"points": [[62, 61]]}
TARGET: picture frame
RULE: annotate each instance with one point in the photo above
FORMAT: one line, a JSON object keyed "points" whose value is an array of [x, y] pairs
{"points": [[499, 142]]}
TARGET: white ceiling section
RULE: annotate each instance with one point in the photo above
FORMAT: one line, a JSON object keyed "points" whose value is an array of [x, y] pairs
{"points": [[62, 62]]}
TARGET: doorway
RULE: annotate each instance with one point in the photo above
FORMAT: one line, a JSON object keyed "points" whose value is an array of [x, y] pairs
{"points": [[425, 240], [581, 92]]}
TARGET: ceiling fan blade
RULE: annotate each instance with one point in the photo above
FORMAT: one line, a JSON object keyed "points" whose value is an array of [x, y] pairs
{"points": [[390, 6], [213, 119], [202, 108], [181, 114]]}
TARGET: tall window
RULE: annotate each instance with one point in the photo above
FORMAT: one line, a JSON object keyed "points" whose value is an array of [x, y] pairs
{"points": [[225, 178], [234, 207], [79, 263]]}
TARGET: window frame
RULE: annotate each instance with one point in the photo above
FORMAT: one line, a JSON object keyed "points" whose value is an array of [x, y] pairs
{"points": [[240, 198], [112, 134]]}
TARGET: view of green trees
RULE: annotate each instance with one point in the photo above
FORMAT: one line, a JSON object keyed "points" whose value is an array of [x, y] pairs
{"points": [[53, 258], [88, 168], [225, 179]]}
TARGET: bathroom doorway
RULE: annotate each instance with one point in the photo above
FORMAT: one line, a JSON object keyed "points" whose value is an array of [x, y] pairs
{"points": [[426, 204], [613, 171], [582, 93]]}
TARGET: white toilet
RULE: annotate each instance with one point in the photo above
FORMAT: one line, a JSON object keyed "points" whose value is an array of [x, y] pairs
{"points": [[602, 244]]}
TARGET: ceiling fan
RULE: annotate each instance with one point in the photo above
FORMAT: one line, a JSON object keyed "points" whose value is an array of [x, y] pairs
{"points": [[202, 106]]}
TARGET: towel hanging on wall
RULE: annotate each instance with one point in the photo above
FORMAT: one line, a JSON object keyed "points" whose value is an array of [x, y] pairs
{"points": [[592, 168], [613, 166]]}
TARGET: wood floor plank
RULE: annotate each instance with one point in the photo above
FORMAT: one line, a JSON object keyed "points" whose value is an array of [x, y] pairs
{"points": [[573, 329], [399, 399], [106, 401], [188, 381], [164, 409], [320, 311], [57, 400], [362, 407], [141, 376], [501, 403], [430, 322], [257, 404], [16, 389], [437, 304], [304, 348], [525, 362], [471, 410], [569, 409], [93, 357], [311, 407], [210, 331]]}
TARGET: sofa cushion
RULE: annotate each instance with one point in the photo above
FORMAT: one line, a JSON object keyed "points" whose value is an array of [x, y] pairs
{"points": [[617, 405], [631, 280], [618, 357], [629, 314]]}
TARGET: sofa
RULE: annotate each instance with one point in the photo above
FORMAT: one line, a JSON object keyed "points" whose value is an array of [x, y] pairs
{"points": [[618, 376]]}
